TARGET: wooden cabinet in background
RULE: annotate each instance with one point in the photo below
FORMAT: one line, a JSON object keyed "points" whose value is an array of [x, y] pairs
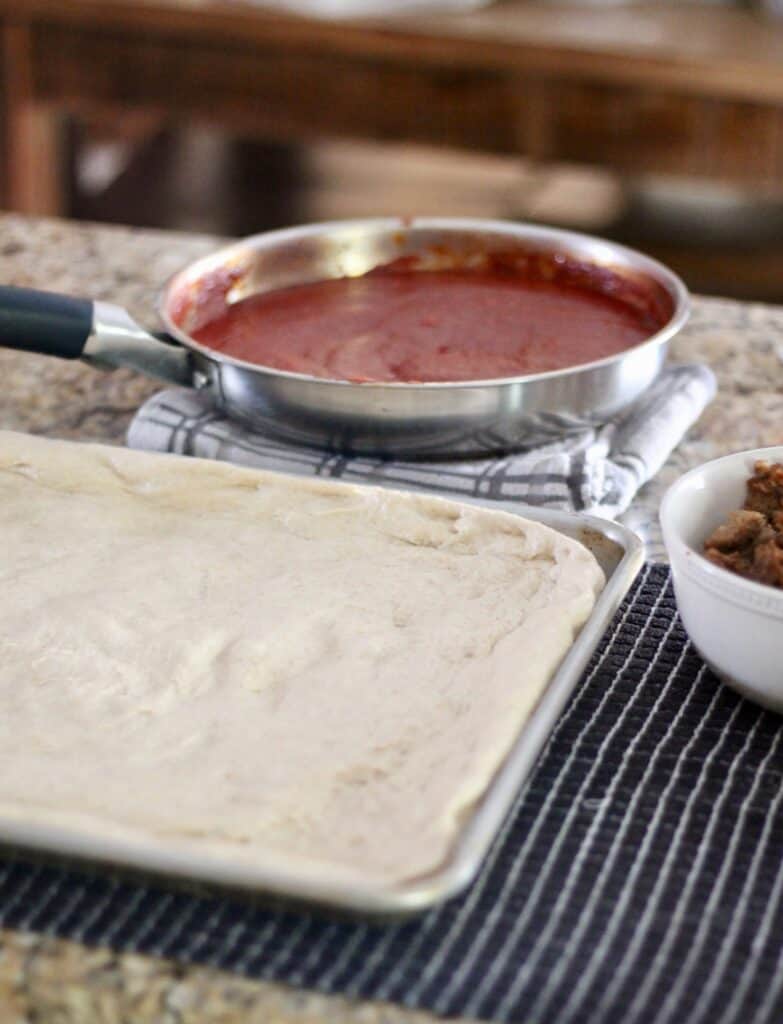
{"points": [[685, 90]]}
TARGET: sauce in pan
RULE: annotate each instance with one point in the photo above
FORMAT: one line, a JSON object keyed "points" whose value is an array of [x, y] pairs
{"points": [[402, 324]]}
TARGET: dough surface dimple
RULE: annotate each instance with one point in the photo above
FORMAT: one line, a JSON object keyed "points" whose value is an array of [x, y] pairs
{"points": [[296, 672]]}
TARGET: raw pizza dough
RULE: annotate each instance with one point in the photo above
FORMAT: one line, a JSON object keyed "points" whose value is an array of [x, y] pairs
{"points": [[315, 676]]}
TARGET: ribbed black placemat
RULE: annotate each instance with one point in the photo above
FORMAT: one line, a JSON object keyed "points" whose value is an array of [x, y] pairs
{"points": [[639, 879]]}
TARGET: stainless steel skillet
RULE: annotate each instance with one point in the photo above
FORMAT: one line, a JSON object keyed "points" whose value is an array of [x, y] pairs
{"points": [[425, 419]]}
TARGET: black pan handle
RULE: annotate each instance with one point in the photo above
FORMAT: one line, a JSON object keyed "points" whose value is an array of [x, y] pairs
{"points": [[36, 321], [98, 332]]}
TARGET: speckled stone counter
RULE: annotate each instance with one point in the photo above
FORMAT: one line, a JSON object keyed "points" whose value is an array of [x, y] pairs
{"points": [[740, 341], [43, 979]]}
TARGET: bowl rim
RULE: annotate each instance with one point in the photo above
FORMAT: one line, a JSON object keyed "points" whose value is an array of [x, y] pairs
{"points": [[752, 588]]}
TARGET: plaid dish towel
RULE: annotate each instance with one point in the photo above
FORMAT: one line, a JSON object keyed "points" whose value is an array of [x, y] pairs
{"points": [[595, 469]]}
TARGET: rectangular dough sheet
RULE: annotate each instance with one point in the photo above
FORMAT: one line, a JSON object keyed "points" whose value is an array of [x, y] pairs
{"points": [[307, 673]]}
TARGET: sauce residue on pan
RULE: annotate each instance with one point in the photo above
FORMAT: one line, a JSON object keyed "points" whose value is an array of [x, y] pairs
{"points": [[402, 323]]}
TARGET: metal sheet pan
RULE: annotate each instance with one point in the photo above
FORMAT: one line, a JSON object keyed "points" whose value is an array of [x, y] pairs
{"points": [[620, 554]]}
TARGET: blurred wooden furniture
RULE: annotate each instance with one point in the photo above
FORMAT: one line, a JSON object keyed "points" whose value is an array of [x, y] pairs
{"points": [[674, 89]]}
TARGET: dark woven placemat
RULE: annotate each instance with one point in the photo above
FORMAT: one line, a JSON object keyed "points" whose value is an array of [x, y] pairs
{"points": [[639, 878]]}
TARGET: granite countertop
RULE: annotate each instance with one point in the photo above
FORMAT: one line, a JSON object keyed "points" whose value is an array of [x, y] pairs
{"points": [[742, 342], [47, 979]]}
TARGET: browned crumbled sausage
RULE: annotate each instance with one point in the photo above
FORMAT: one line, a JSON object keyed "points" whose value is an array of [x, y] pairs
{"points": [[750, 542], [737, 561], [768, 562], [765, 489], [742, 529]]}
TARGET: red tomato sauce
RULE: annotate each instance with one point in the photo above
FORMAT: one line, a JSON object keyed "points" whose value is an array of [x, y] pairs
{"points": [[399, 324]]}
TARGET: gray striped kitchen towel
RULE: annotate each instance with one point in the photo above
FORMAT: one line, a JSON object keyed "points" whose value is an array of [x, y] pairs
{"points": [[595, 469]]}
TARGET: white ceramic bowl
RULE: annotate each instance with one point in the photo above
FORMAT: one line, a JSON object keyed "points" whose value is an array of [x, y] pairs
{"points": [[735, 624]]}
